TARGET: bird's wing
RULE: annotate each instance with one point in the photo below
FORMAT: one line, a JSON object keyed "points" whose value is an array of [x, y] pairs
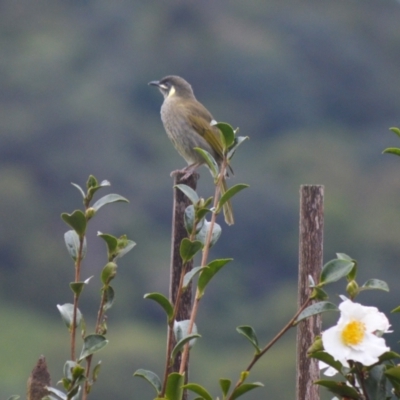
{"points": [[200, 120]]}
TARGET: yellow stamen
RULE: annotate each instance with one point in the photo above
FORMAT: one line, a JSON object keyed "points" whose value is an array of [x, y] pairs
{"points": [[353, 333]]}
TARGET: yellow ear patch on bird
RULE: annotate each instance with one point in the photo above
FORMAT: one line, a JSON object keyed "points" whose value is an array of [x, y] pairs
{"points": [[171, 91]]}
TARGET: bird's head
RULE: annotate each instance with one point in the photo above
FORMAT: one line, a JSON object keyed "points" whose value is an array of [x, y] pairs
{"points": [[173, 85]]}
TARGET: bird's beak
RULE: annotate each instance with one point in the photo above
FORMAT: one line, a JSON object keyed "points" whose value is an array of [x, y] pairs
{"points": [[154, 83]]}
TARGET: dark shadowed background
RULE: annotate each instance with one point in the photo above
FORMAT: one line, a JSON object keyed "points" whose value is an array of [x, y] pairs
{"points": [[315, 84]]}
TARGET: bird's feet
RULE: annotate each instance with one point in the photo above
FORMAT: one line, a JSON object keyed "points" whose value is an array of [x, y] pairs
{"points": [[187, 172]]}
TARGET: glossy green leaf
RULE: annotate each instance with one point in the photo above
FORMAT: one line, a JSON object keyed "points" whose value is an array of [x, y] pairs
{"points": [[181, 329], [112, 243], [92, 344], [195, 388], [339, 388], [179, 346], [96, 371], [375, 284], [76, 220], [319, 294], [210, 161], [108, 199], [174, 390], [77, 287], [225, 385], [108, 273], [109, 297], [57, 392], [392, 150], [327, 359], [188, 192], [244, 388], [208, 273], [189, 248], [315, 309], [395, 130], [150, 377], [163, 302], [227, 134], [80, 189], [202, 235], [189, 276], [249, 333], [334, 270], [375, 383], [72, 242], [230, 193], [124, 246], [67, 312], [389, 355], [393, 375], [353, 273], [238, 141]]}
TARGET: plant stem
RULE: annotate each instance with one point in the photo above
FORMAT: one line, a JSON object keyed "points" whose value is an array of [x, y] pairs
{"points": [[271, 343], [185, 353], [76, 298]]}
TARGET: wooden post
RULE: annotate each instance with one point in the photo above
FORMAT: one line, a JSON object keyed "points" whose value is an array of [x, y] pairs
{"points": [[178, 233], [310, 263]]}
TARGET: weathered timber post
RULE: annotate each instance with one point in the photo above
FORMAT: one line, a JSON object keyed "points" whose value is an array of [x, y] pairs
{"points": [[310, 263]]}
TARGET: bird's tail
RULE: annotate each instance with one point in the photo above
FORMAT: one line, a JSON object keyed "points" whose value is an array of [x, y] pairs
{"points": [[227, 207]]}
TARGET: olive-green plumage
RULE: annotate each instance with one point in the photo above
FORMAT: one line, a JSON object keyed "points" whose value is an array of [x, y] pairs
{"points": [[188, 125]]}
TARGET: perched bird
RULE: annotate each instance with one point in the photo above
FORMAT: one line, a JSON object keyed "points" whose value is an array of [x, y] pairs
{"points": [[189, 124]]}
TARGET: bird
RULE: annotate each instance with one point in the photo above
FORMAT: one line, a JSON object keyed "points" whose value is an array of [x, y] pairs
{"points": [[189, 124]]}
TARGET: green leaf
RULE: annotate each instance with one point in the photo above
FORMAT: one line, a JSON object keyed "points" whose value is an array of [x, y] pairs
{"points": [[150, 377], [375, 284], [189, 248], [353, 273], [188, 192], [195, 388], [109, 297], [389, 355], [77, 221], [72, 242], [179, 346], [396, 310], [108, 273], [319, 294], [181, 329], [79, 188], [189, 218], [327, 359], [249, 333], [107, 199], [77, 287], [67, 313], [174, 389], [111, 241], [189, 276], [375, 383], [163, 302], [227, 134], [15, 397], [210, 161], [225, 385], [96, 371], [238, 141], [339, 388], [393, 374], [334, 270], [91, 345], [203, 233], [395, 130], [244, 388], [57, 392], [208, 273], [314, 309], [230, 193], [392, 150]]}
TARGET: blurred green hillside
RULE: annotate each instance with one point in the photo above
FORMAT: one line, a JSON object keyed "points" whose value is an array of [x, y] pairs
{"points": [[315, 84]]}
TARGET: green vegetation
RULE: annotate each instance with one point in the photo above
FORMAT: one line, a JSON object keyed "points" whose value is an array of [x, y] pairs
{"points": [[314, 84]]}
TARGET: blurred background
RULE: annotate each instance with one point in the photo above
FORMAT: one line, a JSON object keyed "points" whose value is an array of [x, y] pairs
{"points": [[315, 85]]}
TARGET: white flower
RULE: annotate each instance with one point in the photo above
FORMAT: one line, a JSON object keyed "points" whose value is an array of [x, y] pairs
{"points": [[357, 334], [330, 371]]}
